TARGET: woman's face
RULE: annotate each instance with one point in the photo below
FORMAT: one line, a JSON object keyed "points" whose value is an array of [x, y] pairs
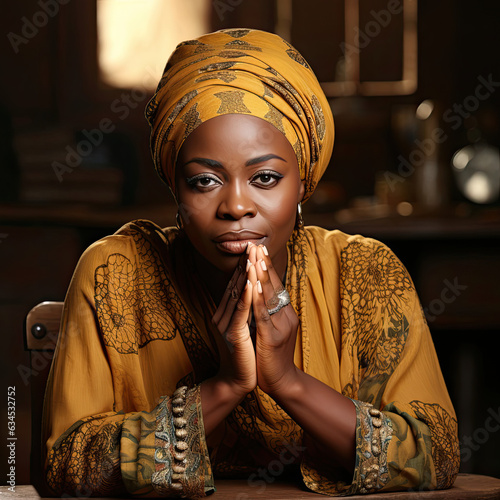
{"points": [[238, 181]]}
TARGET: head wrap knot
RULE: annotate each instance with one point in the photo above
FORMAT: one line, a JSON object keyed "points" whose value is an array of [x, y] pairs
{"points": [[241, 71]]}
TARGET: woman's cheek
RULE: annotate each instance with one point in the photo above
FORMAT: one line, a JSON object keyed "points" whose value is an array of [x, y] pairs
{"points": [[280, 211]]}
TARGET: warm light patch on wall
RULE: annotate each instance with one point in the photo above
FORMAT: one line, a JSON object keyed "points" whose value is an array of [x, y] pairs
{"points": [[136, 37]]}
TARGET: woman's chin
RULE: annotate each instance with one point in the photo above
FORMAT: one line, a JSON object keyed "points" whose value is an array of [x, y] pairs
{"points": [[223, 263]]}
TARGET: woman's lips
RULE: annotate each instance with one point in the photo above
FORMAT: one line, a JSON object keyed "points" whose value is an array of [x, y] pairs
{"points": [[236, 242], [237, 246]]}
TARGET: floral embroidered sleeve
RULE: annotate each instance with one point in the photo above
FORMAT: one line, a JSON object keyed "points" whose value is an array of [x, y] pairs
{"points": [[395, 369], [406, 434], [108, 433], [159, 453]]}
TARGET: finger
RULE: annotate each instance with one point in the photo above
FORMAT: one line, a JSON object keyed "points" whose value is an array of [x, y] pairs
{"points": [[238, 321], [252, 277], [252, 253], [271, 290], [227, 293], [261, 314], [268, 291], [252, 274], [262, 253], [234, 297], [239, 270], [272, 330]]}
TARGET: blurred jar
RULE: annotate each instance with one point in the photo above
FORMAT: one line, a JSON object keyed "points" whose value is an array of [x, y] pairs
{"points": [[477, 172]]}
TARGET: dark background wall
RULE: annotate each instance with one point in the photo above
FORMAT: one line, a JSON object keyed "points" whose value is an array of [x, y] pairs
{"points": [[50, 93]]}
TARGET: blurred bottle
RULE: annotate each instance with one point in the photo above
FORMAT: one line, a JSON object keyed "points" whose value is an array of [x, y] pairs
{"points": [[431, 183]]}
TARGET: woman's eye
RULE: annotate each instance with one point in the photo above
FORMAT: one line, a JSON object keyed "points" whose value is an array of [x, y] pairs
{"points": [[202, 181], [266, 179], [205, 181]]}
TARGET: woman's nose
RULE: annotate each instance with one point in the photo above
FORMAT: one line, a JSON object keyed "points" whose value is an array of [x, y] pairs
{"points": [[236, 203]]}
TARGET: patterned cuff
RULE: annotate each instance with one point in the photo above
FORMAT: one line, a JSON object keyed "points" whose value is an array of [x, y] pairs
{"points": [[182, 463], [373, 434]]}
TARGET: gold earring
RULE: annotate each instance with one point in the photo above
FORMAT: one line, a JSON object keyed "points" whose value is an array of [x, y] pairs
{"points": [[300, 220], [178, 221]]}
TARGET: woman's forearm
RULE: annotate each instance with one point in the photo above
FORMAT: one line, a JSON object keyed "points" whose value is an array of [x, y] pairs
{"points": [[218, 399], [325, 415]]}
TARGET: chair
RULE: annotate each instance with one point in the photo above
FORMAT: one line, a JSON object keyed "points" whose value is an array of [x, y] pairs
{"points": [[42, 329], [41, 332]]}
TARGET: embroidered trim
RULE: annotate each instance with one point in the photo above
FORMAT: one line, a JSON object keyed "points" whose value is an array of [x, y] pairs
{"points": [[374, 435], [182, 465]]}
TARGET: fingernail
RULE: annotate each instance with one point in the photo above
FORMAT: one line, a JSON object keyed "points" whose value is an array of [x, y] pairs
{"points": [[248, 283], [259, 287], [263, 265], [264, 249], [248, 247], [248, 265]]}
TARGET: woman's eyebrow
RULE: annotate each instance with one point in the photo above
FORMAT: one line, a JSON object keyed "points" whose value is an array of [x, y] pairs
{"points": [[217, 165], [262, 159], [205, 161]]}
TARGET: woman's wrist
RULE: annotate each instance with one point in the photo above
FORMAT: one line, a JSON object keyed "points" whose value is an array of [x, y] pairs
{"points": [[289, 388], [327, 416], [228, 390], [218, 398]]}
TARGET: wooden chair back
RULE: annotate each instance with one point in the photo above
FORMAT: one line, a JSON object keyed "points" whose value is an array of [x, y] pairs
{"points": [[41, 333]]}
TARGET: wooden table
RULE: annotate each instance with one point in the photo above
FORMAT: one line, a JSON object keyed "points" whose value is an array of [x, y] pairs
{"points": [[467, 486]]}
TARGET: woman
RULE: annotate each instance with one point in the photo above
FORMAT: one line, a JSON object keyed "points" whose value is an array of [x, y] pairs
{"points": [[242, 343]]}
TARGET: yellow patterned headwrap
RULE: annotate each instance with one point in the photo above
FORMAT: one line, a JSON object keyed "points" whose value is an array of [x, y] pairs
{"points": [[241, 71]]}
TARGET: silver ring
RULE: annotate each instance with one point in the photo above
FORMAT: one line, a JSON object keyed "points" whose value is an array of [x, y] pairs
{"points": [[283, 300]]}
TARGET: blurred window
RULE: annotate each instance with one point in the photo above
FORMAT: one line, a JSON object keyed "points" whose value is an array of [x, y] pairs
{"points": [[136, 37]]}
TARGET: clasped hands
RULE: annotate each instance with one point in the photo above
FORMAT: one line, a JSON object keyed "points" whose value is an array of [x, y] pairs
{"points": [[270, 362]]}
